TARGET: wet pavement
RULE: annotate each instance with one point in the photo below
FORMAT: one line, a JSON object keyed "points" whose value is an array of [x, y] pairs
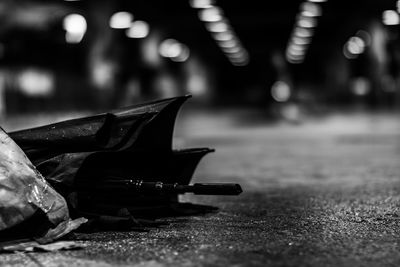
{"points": [[324, 192]]}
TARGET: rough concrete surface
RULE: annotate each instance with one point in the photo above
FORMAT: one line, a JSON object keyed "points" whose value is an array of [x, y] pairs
{"points": [[325, 192]]}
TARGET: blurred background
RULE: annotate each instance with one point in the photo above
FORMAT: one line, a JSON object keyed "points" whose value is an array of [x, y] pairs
{"points": [[300, 98], [285, 58]]}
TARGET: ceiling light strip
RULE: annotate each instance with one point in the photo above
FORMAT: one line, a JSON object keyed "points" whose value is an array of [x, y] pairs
{"points": [[303, 32], [221, 31]]}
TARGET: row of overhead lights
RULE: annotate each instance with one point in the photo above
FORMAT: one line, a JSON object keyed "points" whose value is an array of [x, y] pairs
{"points": [[303, 31], [133, 28], [221, 30], [169, 48], [75, 26]]}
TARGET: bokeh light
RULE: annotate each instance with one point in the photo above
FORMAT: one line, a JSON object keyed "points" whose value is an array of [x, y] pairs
{"points": [[201, 3], [390, 17], [211, 14], [138, 29], [121, 20], [280, 91], [75, 26]]}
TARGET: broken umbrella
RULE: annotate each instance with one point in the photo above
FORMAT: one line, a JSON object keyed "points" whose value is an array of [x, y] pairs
{"points": [[120, 164]]}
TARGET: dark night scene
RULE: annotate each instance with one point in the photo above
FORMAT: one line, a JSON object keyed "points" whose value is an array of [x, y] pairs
{"points": [[199, 133]]}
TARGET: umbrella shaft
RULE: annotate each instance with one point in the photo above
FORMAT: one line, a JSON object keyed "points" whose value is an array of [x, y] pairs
{"points": [[142, 187]]}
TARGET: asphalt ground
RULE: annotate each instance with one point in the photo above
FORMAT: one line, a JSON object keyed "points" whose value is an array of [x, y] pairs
{"points": [[322, 192]]}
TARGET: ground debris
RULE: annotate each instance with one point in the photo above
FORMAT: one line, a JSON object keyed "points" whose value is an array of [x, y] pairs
{"points": [[30, 246]]}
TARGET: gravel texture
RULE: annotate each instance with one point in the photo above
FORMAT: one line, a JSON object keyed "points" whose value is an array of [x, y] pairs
{"points": [[324, 192]]}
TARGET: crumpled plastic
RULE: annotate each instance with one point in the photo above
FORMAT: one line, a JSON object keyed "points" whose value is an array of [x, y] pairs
{"points": [[31, 246], [24, 193]]}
